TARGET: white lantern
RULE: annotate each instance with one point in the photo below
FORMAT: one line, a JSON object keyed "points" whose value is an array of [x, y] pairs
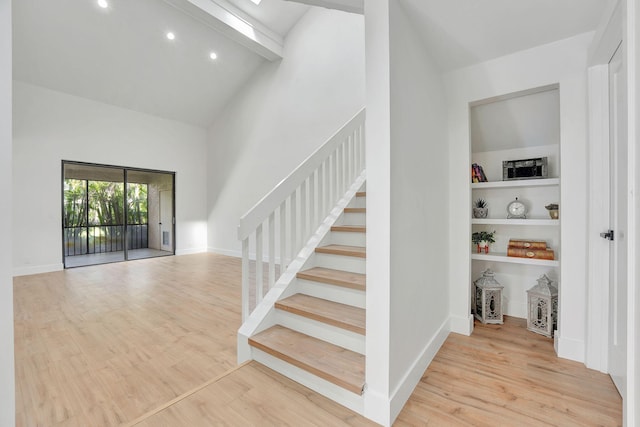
{"points": [[542, 301], [487, 297]]}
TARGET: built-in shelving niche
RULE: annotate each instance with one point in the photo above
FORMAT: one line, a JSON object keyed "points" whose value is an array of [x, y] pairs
{"points": [[520, 125]]}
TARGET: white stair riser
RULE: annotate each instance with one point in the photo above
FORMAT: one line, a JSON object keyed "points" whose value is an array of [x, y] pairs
{"points": [[358, 202], [322, 331], [333, 293], [348, 238], [340, 262], [353, 218], [331, 391]]}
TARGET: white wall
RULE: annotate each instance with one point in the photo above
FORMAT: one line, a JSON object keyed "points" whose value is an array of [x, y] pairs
{"points": [[7, 389], [286, 111], [563, 62], [51, 126], [378, 156], [419, 210]]}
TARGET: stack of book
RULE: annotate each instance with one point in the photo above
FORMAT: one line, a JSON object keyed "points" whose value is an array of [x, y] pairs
{"points": [[536, 249], [477, 174]]}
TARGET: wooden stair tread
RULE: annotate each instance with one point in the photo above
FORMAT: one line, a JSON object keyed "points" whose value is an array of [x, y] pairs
{"points": [[350, 228], [361, 194], [335, 364], [354, 251], [325, 311], [355, 210], [345, 279]]}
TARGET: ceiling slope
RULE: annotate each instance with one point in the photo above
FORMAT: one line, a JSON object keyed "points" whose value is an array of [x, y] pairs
{"points": [[459, 33]]}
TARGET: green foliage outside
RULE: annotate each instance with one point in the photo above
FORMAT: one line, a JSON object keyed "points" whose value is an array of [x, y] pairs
{"points": [[105, 204]]}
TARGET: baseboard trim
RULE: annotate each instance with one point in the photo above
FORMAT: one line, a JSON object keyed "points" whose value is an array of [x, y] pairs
{"points": [[461, 325], [403, 392], [37, 269], [191, 251], [226, 252], [571, 349]]}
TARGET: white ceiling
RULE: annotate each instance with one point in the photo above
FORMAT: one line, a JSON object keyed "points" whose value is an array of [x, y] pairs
{"points": [[278, 15], [121, 56], [459, 33]]}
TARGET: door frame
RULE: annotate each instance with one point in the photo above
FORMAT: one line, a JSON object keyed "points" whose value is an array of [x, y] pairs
{"points": [[621, 26], [126, 170]]}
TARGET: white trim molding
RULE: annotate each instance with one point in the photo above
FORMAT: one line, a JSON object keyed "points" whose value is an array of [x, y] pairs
{"points": [[403, 392], [235, 24], [352, 6], [597, 337], [37, 269]]}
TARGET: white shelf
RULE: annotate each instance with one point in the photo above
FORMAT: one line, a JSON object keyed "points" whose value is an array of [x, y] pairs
{"points": [[548, 182], [505, 221], [501, 257]]}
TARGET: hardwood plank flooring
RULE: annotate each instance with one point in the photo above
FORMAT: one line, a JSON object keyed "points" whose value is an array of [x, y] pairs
{"points": [[107, 345], [102, 345], [504, 375], [255, 396]]}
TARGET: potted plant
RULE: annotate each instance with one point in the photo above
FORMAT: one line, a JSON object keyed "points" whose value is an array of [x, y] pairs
{"points": [[553, 210], [480, 208], [482, 239]]}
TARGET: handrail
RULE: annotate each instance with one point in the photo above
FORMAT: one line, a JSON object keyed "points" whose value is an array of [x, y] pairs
{"points": [[296, 207], [259, 212]]}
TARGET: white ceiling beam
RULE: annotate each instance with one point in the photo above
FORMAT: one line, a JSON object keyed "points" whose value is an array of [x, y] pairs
{"points": [[235, 24], [353, 6]]}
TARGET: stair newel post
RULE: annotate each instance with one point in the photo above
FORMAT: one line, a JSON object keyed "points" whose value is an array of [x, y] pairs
{"points": [[283, 236], [259, 268], [245, 278], [272, 249]]}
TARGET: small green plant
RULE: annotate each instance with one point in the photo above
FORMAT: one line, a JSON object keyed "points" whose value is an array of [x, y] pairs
{"points": [[483, 236], [480, 203]]}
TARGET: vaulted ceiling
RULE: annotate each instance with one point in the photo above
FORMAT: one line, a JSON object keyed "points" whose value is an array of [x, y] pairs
{"points": [[121, 56], [459, 33]]}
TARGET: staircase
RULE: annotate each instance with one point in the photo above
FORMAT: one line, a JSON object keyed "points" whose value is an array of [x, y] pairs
{"points": [[318, 335]]}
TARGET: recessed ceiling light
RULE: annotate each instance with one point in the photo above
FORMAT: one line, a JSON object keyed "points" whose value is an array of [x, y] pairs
{"points": [[213, 55], [103, 4], [256, 1], [171, 36]]}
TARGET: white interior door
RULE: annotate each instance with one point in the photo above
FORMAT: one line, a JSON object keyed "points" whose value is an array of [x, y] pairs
{"points": [[166, 221], [618, 220]]}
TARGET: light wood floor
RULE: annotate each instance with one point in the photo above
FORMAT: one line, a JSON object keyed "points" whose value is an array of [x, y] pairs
{"points": [[152, 343]]}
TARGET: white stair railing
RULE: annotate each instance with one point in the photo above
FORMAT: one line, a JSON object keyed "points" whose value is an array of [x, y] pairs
{"points": [[289, 215]]}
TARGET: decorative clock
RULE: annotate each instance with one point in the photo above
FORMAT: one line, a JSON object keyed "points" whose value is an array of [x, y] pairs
{"points": [[516, 209]]}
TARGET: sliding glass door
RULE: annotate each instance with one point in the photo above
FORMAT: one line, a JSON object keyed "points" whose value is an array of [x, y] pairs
{"points": [[113, 214]]}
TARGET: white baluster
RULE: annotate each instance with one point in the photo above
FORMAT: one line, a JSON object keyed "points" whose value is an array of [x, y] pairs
{"points": [[293, 226], [283, 236], [245, 279], [321, 191], [313, 215], [304, 211], [272, 249], [259, 279]]}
